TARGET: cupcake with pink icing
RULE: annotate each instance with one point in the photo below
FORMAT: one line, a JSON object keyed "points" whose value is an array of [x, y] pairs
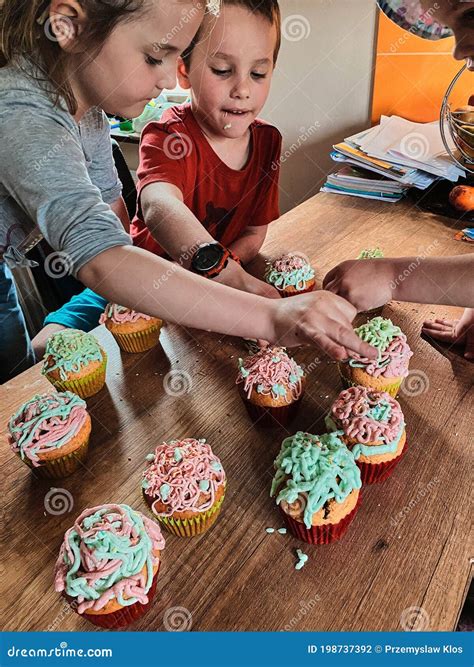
{"points": [[372, 425], [133, 331], [50, 433], [108, 565], [184, 486], [291, 274], [387, 372], [271, 385]]}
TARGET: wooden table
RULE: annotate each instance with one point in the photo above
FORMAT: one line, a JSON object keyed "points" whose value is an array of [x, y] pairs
{"points": [[409, 545]]}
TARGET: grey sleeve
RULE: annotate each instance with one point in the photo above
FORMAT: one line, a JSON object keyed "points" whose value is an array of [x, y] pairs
{"points": [[43, 168], [102, 169]]}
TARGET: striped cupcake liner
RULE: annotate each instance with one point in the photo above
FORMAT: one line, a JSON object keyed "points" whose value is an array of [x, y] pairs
{"points": [[265, 416], [373, 473], [63, 466], [140, 341], [391, 389], [126, 615], [191, 527], [324, 534], [86, 386]]}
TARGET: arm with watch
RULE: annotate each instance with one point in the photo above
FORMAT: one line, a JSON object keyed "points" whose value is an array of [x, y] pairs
{"points": [[180, 233]]}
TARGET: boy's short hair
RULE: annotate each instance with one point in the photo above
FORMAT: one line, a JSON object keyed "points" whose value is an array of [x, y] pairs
{"points": [[269, 9]]}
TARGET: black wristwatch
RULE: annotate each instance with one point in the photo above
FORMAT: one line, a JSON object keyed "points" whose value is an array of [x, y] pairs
{"points": [[210, 259]]}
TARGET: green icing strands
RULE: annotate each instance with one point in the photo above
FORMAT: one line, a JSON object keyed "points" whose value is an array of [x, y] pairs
{"points": [[371, 253], [380, 412], [70, 350], [379, 332], [315, 468]]}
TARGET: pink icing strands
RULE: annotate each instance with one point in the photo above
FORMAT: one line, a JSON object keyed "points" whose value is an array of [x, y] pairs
{"points": [[350, 413], [182, 477], [262, 372], [120, 314], [46, 422], [397, 354], [288, 263], [92, 568]]}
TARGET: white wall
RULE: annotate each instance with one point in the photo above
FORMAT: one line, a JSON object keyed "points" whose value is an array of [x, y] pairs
{"points": [[321, 91]]}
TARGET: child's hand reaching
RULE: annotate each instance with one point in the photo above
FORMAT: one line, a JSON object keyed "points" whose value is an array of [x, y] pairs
{"points": [[366, 284], [456, 332]]}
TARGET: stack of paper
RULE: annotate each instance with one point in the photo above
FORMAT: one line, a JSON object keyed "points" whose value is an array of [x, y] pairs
{"points": [[358, 182]]}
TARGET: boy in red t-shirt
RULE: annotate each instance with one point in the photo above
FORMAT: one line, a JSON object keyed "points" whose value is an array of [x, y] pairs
{"points": [[209, 170]]}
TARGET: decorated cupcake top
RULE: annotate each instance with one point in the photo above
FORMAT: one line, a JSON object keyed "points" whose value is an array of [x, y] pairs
{"points": [[182, 475], [314, 469], [70, 350], [367, 416], [393, 350], [47, 421], [120, 314], [108, 554], [271, 371], [370, 253], [289, 270]]}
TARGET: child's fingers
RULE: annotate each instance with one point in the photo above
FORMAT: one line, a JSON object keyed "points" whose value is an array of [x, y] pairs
{"points": [[442, 335], [442, 321], [345, 336], [437, 326], [330, 347]]}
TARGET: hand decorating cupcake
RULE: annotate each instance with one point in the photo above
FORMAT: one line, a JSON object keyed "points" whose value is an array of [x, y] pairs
{"points": [[51, 433], [184, 486], [387, 372], [372, 425], [108, 565], [372, 253], [271, 385], [317, 486], [291, 274], [133, 331], [74, 361]]}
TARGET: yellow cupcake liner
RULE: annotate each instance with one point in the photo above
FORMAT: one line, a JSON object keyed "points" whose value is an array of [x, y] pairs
{"points": [[86, 386], [391, 389], [191, 527], [63, 465], [140, 341]]}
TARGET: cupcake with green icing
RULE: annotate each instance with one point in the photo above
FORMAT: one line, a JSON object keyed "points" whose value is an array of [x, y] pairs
{"points": [[74, 361], [316, 486], [271, 385], [372, 425], [50, 433], [184, 486], [387, 372], [291, 274], [108, 565]]}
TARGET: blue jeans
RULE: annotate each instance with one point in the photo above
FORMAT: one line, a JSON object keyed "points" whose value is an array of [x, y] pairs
{"points": [[16, 353]]}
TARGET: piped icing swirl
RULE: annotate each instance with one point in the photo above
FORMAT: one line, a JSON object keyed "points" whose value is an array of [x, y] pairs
{"points": [[121, 314], [47, 421], [367, 416], [393, 350], [108, 554], [289, 271], [68, 351], [183, 475], [271, 371], [314, 469]]}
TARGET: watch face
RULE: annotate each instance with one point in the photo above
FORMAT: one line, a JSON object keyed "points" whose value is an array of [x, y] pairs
{"points": [[207, 257]]}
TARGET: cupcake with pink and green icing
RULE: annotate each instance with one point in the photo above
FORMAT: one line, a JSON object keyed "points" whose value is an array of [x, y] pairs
{"points": [[387, 372], [372, 425], [50, 433], [108, 565], [133, 331], [184, 486], [291, 274], [271, 385], [74, 361]]}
